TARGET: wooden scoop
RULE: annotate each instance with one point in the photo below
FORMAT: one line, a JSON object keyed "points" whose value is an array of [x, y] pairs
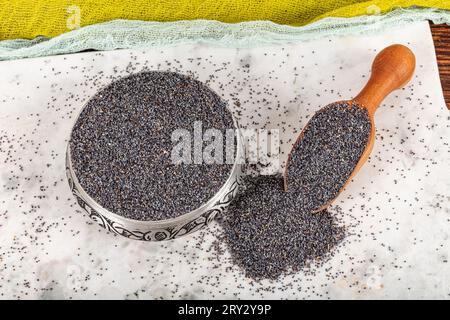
{"points": [[392, 69]]}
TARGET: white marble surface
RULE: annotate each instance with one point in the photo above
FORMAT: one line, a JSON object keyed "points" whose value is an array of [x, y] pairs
{"points": [[396, 210]]}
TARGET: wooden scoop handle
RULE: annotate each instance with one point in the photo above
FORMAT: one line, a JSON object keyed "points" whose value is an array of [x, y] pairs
{"points": [[392, 69]]}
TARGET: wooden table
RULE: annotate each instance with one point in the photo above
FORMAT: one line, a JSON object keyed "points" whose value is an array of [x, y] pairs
{"points": [[441, 37]]}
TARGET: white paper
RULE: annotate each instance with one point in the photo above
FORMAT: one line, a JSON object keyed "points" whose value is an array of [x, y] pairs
{"points": [[397, 207]]}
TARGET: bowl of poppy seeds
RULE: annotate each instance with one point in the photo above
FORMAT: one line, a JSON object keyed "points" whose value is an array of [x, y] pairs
{"points": [[119, 163]]}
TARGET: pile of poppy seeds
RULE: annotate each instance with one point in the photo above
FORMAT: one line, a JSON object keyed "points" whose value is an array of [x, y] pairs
{"points": [[270, 231], [121, 145]]}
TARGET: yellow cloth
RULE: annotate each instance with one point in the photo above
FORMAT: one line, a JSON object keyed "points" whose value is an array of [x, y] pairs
{"points": [[30, 18]]}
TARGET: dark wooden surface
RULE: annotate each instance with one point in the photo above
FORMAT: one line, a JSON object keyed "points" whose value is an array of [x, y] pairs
{"points": [[441, 37]]}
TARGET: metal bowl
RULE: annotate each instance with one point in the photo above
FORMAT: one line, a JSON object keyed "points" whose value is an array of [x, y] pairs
{"points": [[161, 229]]}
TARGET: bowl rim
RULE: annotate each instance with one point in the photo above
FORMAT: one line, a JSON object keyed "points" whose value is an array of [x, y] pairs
{"points": [[234, 173]]}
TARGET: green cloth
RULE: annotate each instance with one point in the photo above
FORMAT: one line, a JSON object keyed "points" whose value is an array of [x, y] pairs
{"points": [[140, 34], [27, 19]]}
